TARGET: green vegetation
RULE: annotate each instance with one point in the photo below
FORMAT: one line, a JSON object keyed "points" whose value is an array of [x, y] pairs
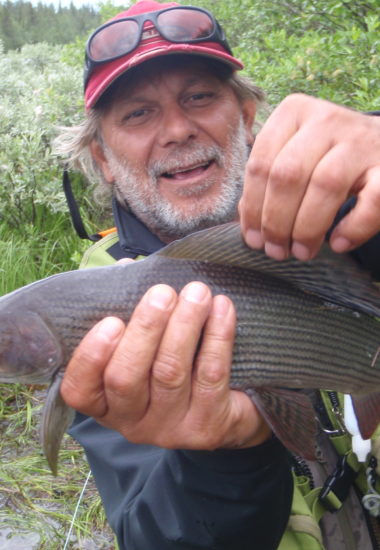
{"points": [[329, 49], [22, 23], [36, 509]]}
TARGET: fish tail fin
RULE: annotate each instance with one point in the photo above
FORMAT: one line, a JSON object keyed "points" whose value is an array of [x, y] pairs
{"points": [[367, 410], [291, 416], [56, 418]]}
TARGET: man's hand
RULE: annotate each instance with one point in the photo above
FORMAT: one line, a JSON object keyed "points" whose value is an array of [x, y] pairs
{"points": [[164, 378], [308, 158]]}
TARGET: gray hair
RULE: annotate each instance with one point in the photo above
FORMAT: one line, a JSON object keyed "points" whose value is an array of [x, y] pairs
{"points": [[72, 144]]}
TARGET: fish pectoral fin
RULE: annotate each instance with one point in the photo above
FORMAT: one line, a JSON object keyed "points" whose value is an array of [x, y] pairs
{"points": [[367, 410], [291, 416], [56, 418]]}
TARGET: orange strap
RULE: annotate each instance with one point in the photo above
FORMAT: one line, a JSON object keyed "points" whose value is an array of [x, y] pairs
{"points": [[107, 232]]}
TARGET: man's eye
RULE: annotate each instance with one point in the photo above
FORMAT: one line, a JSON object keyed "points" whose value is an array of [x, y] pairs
{"points": [[201, 98], [136, 114]]}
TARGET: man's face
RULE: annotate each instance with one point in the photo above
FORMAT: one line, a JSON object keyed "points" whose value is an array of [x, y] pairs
{"points": [[175, 147]]}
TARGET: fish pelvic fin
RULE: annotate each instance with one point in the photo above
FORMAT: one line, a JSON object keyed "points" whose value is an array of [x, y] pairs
{"points": [[334, 277], [56, 418], [291, 416], [367, 411]]}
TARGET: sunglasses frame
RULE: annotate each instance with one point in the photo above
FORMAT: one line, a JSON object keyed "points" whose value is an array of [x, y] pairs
{"points": [[217, 34]]}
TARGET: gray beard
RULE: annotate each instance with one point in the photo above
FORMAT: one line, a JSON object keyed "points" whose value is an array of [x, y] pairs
{"points": [[157, 213]]}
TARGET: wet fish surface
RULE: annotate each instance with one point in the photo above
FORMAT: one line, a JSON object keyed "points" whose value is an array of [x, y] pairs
{"points": [[301, 325]]}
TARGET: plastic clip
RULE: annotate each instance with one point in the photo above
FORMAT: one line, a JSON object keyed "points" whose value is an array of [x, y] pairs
{"points": [[337, 486], [371, 500]]}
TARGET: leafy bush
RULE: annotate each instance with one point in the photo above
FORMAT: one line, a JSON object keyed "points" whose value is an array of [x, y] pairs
{"points": [[38, 91], [22, 23], [329, 49], [341, 66]]}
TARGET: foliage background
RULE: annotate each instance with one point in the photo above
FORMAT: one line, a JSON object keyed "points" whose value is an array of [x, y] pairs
{"points": [[329, 49], [24, 23]]}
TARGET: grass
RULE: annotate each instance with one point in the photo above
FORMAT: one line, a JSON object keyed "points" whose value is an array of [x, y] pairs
{"points": [[36, 508]]}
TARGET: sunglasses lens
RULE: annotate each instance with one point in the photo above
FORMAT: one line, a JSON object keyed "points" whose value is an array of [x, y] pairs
{"points": [[114, 40], [179, 25]]}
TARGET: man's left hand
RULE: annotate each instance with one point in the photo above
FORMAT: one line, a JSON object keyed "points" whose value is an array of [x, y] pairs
{"points": [[310, 156]]}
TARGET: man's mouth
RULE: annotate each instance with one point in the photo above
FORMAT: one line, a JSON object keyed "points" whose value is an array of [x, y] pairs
{"points": [[187, 172]]}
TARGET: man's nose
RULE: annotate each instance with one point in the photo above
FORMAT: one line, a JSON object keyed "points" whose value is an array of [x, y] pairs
{"points": [[177, 127]]}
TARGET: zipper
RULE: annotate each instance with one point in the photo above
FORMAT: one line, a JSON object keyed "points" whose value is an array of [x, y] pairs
{"points": [[301, 468]]}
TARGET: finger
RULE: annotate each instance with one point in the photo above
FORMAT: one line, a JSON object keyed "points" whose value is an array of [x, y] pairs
{"points": [[82, 386], [220, 417], [249, 427], [286, 188], [363, 222], [127, 375], [209, 409], [338, 174], [268, 143], [172, 369], [327, 190], [211, 377]]}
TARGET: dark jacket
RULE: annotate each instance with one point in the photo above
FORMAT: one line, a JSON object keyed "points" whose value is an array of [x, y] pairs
{"points": [[158, 499]]}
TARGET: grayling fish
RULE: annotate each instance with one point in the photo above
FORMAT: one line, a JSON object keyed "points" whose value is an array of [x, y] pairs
{"points": [[307, 325]]}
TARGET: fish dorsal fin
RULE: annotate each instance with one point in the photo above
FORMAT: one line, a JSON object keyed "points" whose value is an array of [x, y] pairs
{"points": [[334, 277]]}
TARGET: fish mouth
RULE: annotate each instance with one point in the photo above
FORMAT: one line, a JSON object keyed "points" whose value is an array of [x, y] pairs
{"points": [[187, 172]]}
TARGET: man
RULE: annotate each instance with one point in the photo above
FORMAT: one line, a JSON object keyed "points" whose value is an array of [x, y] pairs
{"points": [[180, 460]]}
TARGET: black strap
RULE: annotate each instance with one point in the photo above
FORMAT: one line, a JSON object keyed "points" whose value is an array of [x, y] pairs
{"points": [[133, 234], [339, 483], [74, 210]]}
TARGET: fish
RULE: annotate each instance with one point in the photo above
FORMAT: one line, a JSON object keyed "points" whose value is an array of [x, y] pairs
{"points": [[301, 326]]}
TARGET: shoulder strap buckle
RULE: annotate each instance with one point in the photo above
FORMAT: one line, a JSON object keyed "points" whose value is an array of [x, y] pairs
{"points": [[336, 487], [371, 500]]}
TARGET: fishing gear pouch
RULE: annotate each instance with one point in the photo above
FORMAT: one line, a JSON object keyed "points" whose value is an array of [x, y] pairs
{"points": [[303, 531]]}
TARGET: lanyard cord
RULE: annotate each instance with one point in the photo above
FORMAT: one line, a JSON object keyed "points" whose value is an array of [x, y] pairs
{"points": [[76, 511], [74, 210]]}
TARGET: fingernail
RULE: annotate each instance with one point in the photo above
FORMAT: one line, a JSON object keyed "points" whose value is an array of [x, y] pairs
{"points": [[160, 297], [110, 327], [221, 307], [300, 251], [254, 238], [124, 261], [340, 244], [276, 251], [195, 292]]}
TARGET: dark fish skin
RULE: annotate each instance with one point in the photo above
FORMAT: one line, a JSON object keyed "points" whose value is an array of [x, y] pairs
{"points": [[307, 325]]}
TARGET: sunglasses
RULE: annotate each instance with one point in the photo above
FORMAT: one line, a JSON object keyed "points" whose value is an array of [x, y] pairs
{"points": [[185, 24]]}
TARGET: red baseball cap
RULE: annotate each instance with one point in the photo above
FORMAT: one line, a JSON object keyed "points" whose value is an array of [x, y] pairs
{"points": [[151, 45]]}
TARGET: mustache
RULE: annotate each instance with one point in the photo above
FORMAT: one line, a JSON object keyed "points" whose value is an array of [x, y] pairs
{"points": [[185, 157]]}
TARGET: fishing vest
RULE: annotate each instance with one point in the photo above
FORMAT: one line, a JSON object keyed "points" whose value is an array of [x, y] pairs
{"points": [[336, 499]]}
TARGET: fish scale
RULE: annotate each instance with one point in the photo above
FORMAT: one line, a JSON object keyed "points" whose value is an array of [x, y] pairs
{"points": [[300, 325]]}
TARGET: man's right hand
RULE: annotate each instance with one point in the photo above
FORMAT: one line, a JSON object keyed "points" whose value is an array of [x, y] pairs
{"points": [[156, 381]]}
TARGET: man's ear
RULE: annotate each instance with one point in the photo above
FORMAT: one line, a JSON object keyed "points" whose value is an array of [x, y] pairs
{"points": [[98, 155], [249, 112]]}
